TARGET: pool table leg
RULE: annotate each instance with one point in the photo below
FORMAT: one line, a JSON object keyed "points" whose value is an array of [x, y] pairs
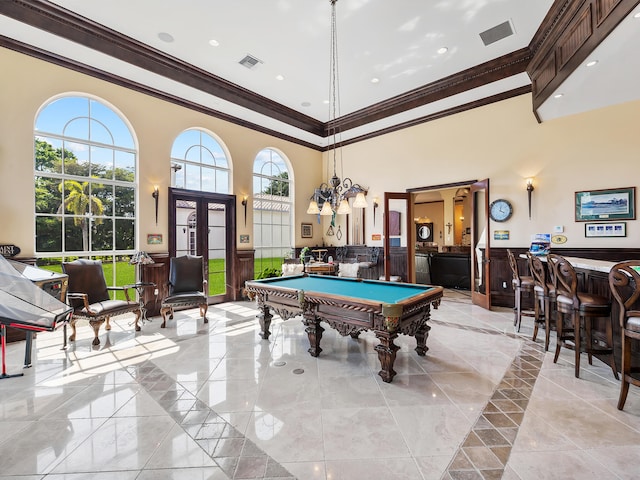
{"points": [[386, 354], [265, 317], [314, 332], [421, 339]]}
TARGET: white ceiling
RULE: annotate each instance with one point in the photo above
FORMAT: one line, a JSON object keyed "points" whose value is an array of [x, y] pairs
{"points": [[394, 41]]}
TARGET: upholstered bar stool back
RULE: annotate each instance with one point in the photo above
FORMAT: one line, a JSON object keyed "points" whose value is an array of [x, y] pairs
{"points": [[580, 308], [624, 281], [520, 284], [545, 297]]}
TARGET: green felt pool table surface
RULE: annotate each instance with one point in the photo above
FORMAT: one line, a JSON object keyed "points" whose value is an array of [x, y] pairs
{"points": [[371, 290]]}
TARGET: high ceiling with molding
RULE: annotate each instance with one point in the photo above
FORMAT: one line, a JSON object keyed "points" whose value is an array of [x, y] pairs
{"points": [[395, 42]]}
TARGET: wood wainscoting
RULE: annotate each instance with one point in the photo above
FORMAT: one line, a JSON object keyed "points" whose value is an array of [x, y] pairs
{"points": [[243, 268], [501, 272]]}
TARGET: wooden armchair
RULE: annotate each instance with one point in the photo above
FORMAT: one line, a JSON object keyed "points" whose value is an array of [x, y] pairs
{"points": [[187, 287], [88, 295]]}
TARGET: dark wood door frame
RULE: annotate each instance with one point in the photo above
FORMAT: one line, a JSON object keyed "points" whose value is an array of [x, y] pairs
{"points": [[202, 199]]}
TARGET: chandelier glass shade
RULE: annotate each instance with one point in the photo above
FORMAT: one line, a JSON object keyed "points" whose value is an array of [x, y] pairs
{"points": [[334, 197]]}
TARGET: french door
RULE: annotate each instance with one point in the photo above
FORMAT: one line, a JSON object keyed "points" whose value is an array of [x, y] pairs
{"points": [[480, 245], [202, 223], [398, 202]]}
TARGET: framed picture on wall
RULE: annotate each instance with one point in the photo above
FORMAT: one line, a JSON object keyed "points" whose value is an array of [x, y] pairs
{"points": [[611, 204], [600, 229], [307, 230]]}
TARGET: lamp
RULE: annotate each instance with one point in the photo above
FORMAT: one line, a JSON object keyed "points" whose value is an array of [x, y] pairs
{"points": [[140, 258], [244, 204], [529, 190], [155, 195], [334, 196]]}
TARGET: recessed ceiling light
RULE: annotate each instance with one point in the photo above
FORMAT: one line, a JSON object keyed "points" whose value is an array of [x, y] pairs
{"points": [[375, 80], [558, 95], [306, 104], [637, 15], [165, 37], [326, 102], [214, 43], [442, 50], [279, 77], [592, 63]]}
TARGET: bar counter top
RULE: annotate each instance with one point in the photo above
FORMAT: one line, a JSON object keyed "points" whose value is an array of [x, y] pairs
{"points": [[584, 263]]}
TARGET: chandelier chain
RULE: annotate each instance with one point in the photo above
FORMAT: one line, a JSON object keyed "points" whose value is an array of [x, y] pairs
{"points": [[334, 195]]}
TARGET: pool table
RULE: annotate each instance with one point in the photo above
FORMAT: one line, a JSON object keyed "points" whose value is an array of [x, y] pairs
{"points": [[350, 306]]}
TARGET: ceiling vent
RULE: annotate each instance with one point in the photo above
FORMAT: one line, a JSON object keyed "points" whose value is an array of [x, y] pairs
{"points": [[496, 33], [249, 61]]}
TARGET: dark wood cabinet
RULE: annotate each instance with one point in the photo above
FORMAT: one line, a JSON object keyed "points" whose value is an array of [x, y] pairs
{"points": [[157, 273]]}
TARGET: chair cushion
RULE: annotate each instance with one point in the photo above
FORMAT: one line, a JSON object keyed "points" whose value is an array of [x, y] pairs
{"points": [[289, 269], [588, 303], [185, 298], [349, 270], [590, 300], [633, 321], [107, 308], [526, 283]]}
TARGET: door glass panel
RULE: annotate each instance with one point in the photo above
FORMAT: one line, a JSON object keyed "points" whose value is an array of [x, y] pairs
{"points": [[397, 223], [480, 242], [216, 214], [186, 223]]}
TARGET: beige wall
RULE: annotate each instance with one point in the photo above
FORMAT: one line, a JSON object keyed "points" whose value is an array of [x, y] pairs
{"points": [[26, 84], [502, 142]]}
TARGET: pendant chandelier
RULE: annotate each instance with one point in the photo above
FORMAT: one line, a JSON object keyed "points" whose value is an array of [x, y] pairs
{"points": [[334, 197]]}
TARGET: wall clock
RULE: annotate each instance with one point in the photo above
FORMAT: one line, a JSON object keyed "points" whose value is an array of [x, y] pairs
{"points": [[500, 210]]}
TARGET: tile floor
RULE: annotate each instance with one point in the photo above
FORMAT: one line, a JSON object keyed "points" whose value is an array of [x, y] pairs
{"points": [[214, 401]]}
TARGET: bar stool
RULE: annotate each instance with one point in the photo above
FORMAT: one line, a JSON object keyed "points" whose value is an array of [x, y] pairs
{"points": [[624, 281], [545, 297], [578, 306], [520, 283]]}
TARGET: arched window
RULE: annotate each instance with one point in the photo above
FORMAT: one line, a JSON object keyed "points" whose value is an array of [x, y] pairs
{"points": [[272, 209], [199, 162], [85, 182]]}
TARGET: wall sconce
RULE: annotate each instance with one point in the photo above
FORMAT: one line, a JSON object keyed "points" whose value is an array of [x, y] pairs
{"points": [[448, 225], [375, 206], [244, 204], [155, 195], [529, 190]]}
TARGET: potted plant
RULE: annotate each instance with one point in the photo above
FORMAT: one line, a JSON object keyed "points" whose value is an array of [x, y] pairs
{"points": [[305, 255], [269, 272]]}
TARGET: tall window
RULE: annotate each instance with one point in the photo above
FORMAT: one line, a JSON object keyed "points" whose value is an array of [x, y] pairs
{"points": [[199, 163], [272, 209], [85, 184]]}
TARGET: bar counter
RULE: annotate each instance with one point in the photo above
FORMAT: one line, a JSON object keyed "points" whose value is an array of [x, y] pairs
{"points": [[593, 277]]}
